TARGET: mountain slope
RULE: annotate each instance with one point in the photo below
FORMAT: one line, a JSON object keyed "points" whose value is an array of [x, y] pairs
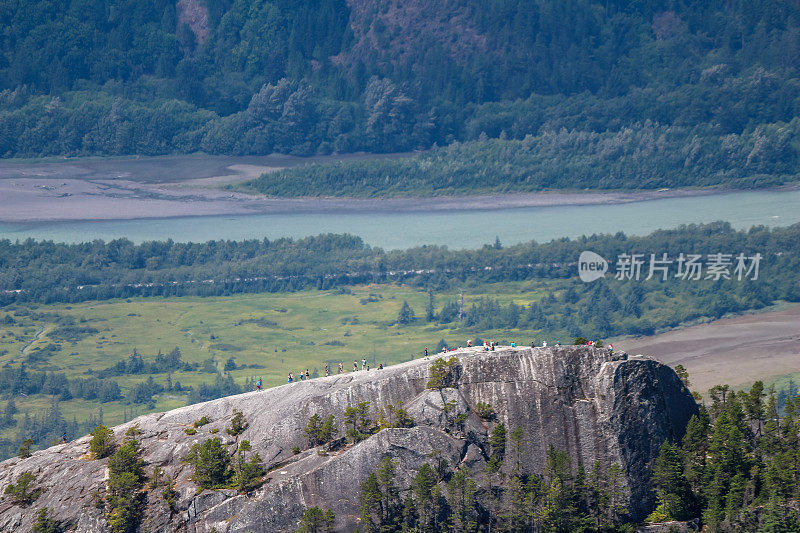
{"points": [[594, 405], [236, 77]]}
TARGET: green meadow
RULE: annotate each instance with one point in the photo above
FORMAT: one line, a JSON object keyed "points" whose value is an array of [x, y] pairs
{"points": [[268, 335]]}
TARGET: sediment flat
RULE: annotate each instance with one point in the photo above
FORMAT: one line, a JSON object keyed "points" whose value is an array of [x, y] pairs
{"points": [[735, 351], [179, 186]]}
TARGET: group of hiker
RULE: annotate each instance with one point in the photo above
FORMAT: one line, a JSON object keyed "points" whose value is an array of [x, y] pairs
{"points": [[302, 376], [488, 346]]}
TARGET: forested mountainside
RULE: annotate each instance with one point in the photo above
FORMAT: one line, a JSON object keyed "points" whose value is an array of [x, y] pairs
{"points": [[241, 77]]}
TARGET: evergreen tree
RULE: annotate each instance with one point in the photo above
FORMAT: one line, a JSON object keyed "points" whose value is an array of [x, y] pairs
{"points": [[754, 405], [358, 419], [461, 491], [672, 490], [695, 450], [315, 520], [517, 447], [102, 443], [426, 497], [211, 463], [22, 492], [313, 429], [390, 505], [328, 430], [515, 516], [370, 500], [125, 481], [406, 315], [45, 523], [727, 459], [617, 493], [497, 444], [430, 307], [246, 473]]}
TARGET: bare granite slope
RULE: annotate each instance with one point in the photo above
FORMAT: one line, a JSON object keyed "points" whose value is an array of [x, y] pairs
{"points": [[597, 406]]}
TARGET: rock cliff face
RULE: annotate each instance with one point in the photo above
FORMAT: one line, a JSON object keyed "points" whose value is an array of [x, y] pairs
{"points": [[596, 406]]}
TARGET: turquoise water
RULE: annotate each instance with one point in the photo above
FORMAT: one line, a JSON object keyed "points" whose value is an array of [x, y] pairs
{"points": [[456, 229]]}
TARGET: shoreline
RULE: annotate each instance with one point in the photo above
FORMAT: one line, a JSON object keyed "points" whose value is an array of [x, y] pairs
{"points": [[181, 186], [29, 201]]}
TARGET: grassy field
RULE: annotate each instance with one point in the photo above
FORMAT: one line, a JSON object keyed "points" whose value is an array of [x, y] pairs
{"points": [[276, 333]]}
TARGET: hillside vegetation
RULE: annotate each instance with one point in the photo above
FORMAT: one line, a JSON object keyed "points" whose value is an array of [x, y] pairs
{"points": [[705, 90], [646, 156]]}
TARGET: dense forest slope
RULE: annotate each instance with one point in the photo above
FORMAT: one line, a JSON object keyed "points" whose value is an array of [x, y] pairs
{"points": [[675, 86], [481, 414]]}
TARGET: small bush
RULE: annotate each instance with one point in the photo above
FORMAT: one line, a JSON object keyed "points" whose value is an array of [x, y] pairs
{"points": [[211, 464], [25, 449], [215, 431], [247, 473], [21, 492], [440, 372], [580, 341], [238, 424], [315, 520], [319, 432], [126, 479], [296, 450], [102, 444], [201, 422], [484, 410], [190, 431], [45, 523]]}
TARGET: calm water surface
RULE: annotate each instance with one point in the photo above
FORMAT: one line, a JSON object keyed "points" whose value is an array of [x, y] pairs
{"points": [[456, 229]]}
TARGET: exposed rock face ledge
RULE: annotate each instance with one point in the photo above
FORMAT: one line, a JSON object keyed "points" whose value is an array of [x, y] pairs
{"points": [[596, 406]]}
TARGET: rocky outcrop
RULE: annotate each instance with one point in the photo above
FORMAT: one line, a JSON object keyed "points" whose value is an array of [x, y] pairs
{"points": [[595, 405]]}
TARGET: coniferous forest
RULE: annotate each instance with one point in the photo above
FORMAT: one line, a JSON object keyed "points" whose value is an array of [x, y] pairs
{"points": [[569, 88]]}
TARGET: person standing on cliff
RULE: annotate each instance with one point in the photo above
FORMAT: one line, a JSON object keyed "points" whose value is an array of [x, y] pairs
{"points": [[426, 352], [327, 371], [363, 364], [355, 366], [341, 367], [258, 385]]}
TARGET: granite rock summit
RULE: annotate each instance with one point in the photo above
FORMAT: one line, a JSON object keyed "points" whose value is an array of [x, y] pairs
{"points": [[595, 405]]}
